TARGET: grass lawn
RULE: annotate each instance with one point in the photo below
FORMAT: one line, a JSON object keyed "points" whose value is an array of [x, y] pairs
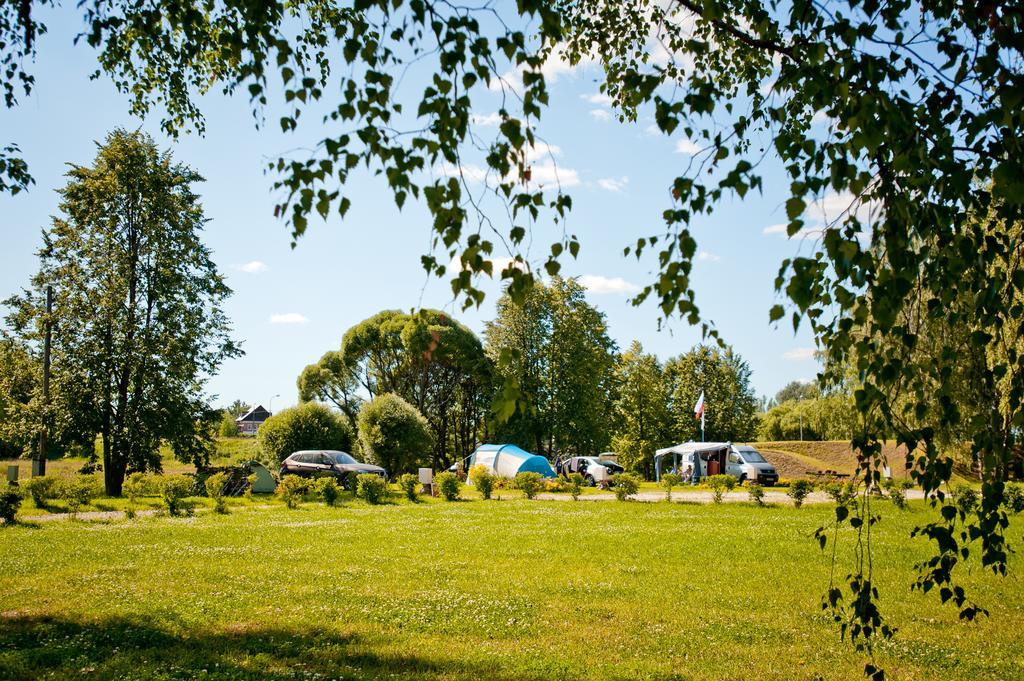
{"points": [[505, 589]]}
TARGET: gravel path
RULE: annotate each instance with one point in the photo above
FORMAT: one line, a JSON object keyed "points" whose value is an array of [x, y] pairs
{"points": [[679, 496]]}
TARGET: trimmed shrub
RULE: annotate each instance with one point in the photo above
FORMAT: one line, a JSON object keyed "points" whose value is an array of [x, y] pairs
{"points": [[215, 485], [328, 490], [625, 485], [393, 433], [175, 491], [529, 483], [135, 485], [371, 488], [965, 498], [798, 491], [77, 492], [576, 482], [10, 501], [840, 492], [556, 485], [897, 489], [756, 493], [449, 485], [668, 481], [291, 489], [482, 479], [719, 484], [407, 482], [41, 489], [1013, 498], [307, 426]]}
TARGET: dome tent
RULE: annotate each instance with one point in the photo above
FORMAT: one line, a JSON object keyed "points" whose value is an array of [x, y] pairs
{"points": [[507, 461]]}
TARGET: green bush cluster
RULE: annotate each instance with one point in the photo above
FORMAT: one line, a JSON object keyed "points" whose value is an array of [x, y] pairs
{"points": [[529, 483], [1013, 497], [840, 492], [78, 491], [449, 485], [135, 486], [41, 489], [719, 484], [215, 485], [407, 482], [327, 489], [307, 426], [394, 434], [175, 491], [756, 493], [799, 490], [291, 489], [10, 502], [371, 488], [668, 481], [482, 479], [576, 482], [897, 489], [625, 485], [965, 498]]}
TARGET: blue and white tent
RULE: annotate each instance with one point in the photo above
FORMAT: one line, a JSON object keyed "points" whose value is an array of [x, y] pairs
{"points": [[508, 460]]}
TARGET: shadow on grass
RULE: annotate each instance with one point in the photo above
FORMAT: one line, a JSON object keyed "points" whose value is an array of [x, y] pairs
{"points": [[32, 647]]}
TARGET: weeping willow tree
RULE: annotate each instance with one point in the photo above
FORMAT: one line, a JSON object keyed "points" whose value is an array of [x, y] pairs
{"points": [[898, 125]]}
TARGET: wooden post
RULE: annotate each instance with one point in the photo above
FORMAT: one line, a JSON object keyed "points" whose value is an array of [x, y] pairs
{"points": [[39, 465]]}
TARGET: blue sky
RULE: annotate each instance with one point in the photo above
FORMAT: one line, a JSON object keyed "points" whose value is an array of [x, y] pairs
{"points": [[291, 305]]}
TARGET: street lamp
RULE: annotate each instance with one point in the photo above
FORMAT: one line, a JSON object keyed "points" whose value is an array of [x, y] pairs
{"points": [[270, 407]]}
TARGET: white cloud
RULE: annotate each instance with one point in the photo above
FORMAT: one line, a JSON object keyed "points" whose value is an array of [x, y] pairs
{"points": [[490, 120], [252, 267], [598, 98], [545, 174], [834, 207], [554, 66], [799, 354], [288, 318], [595, 283], [601, 114], [469, 171], [775, 229], [653, 130], [687, 146], [611, 184], [542, 150], [707, 256]]}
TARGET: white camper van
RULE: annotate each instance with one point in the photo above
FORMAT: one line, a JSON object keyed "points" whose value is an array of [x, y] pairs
{"points": [[695, 461]]}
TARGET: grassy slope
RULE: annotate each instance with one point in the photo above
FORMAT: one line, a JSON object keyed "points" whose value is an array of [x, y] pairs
{"points": [[229, 450], [794, 458], [501, 589]]}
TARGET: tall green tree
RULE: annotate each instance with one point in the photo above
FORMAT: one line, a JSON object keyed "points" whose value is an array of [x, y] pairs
{"points": [[19, 381], [137, 325], [642, 409], [332, 381], [730, 407], [556, 349], [428, 359]]}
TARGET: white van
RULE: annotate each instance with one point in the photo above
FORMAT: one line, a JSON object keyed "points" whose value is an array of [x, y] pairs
{"points": [[697, 460]]}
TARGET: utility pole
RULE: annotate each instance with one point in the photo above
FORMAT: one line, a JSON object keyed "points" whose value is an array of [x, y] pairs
{"points": [[39, 465]]}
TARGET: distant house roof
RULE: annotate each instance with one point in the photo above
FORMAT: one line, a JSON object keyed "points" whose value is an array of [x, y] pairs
{"points": [[255, 415]]}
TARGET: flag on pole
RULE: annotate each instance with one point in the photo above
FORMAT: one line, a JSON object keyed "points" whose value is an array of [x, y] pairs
{"points": [[698, 409]]}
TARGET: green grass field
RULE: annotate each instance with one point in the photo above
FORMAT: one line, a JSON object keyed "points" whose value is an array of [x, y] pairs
{"points": [[505, 589]]}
